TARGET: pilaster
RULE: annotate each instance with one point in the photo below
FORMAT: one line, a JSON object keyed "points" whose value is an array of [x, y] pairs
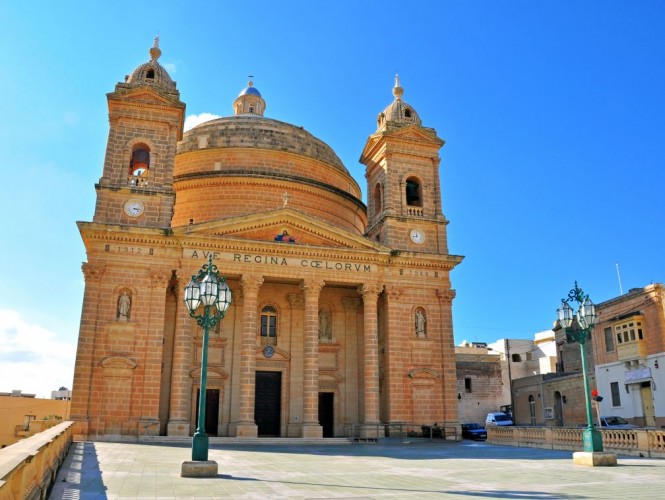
{"points": [[80, 409], [370, 293], [311, 428], [246, 427]]}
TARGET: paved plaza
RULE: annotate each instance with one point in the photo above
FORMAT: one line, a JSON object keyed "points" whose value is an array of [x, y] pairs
{"points": [[438, 469]]}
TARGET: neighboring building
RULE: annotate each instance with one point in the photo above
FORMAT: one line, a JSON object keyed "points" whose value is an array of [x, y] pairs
{"points": [[63, 394], [480, 385], [341, 312], [19, 412], [530, 360], [629, 349]]}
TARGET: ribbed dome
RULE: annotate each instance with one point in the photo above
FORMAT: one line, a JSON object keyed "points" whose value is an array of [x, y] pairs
{"points": [[398, 112], [152, 73]]}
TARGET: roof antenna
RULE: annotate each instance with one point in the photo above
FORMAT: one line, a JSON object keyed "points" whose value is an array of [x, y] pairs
{"points": [[619, 276]]}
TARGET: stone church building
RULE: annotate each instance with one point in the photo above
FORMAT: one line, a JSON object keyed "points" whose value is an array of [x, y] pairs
{"points": [[341, 315]]}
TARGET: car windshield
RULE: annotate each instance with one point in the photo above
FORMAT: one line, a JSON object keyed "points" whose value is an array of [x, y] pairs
{"points": [[501, 418], [473, 426], [615, 421]]}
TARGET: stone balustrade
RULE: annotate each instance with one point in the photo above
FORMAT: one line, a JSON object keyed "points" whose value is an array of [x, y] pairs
{"points": [[637, 442], [29, 467]]}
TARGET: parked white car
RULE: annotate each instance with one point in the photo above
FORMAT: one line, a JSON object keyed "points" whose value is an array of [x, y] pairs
{"points": [[616, 423], [498, 418]]}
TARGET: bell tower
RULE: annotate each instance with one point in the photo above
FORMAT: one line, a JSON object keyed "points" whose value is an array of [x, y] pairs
{"points": [[403, 189], [146, 120]]}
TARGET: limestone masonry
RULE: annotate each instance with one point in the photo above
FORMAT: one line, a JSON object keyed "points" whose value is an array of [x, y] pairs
{"points": [[341, 315]]}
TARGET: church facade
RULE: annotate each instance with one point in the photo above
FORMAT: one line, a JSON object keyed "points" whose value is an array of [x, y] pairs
{"points": [[341, 318]]}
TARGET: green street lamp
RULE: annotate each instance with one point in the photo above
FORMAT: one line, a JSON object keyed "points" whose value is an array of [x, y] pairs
{"points": [[207, 297], [585, 318]]}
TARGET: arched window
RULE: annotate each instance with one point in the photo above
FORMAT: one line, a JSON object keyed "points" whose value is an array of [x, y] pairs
{"points": [[377, 199], [413, 193], [150, 74], [407, 113], [140, 161], [268, 326]]}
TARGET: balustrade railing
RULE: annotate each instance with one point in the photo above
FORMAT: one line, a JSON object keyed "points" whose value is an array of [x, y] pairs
{"points": [[29, 467], [637, 442]]}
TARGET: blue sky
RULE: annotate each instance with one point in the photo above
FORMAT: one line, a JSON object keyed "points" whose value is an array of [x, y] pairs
{"points": [[553, 115]]}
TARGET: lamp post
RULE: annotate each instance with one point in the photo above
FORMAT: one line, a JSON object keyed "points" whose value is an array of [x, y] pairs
{"points": [[207, 297], [586, 317]]}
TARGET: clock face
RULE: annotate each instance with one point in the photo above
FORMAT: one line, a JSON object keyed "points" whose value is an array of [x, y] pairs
{"points": [[133, 208], [417, 236]]}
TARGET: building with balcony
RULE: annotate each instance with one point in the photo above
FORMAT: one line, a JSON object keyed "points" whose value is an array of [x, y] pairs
{"points": [[629, 356]]}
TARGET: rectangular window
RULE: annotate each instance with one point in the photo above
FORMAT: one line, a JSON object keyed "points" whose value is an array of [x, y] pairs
{"points": [[616, 394], [268, 326], [609, 340], [467, 384]]}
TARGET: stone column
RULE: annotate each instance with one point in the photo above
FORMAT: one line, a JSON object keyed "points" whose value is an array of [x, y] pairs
{"points": [[396, 357], [311, 428], [448, 366], [370, 295], [351, 378], [246, 427], [154, 343], [180, 406], [83, 371]]}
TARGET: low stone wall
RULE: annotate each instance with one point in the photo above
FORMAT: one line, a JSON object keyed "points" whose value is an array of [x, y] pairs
{"points": [[637, 442], [28, 468]]}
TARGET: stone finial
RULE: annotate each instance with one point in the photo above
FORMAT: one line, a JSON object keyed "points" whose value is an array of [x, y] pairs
{"points": [[398, 91], [155, 52]]}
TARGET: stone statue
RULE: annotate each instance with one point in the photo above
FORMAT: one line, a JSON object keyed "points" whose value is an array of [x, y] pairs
{"points": [[124, 304], [420, 324], [324, 325]]}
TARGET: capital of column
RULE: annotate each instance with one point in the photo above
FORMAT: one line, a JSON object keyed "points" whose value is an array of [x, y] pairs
{"points": [[312, 287], [159, 278], [393, 292], [92, 273], [351, 304], [296, 300], [250, 284], [446, 296], [369, 290], [238, 296]]}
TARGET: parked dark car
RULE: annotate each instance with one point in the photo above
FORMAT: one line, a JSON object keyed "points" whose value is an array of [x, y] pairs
{"points": [[474, 431]]}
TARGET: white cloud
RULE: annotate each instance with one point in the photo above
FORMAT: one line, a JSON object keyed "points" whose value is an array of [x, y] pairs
{"points": [[32, 358], [170, 68], [193, 120]]}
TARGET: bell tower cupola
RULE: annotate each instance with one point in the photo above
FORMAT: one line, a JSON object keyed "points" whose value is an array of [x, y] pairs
{"points": [[403, 187], [146, 120], [249, 101]]}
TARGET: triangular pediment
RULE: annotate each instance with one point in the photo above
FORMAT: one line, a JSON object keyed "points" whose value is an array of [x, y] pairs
{"points": [[410, 133], [284, 226], [145, 95]]}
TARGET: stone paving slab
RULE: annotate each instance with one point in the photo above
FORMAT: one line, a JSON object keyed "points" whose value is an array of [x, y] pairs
{"points": [[438, 469]]}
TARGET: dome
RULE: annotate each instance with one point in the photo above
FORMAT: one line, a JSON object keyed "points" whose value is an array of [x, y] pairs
{"points": [[250, 90], [151, 73], [244, 164], [249, 102], [398, 113], [260, 133]]}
